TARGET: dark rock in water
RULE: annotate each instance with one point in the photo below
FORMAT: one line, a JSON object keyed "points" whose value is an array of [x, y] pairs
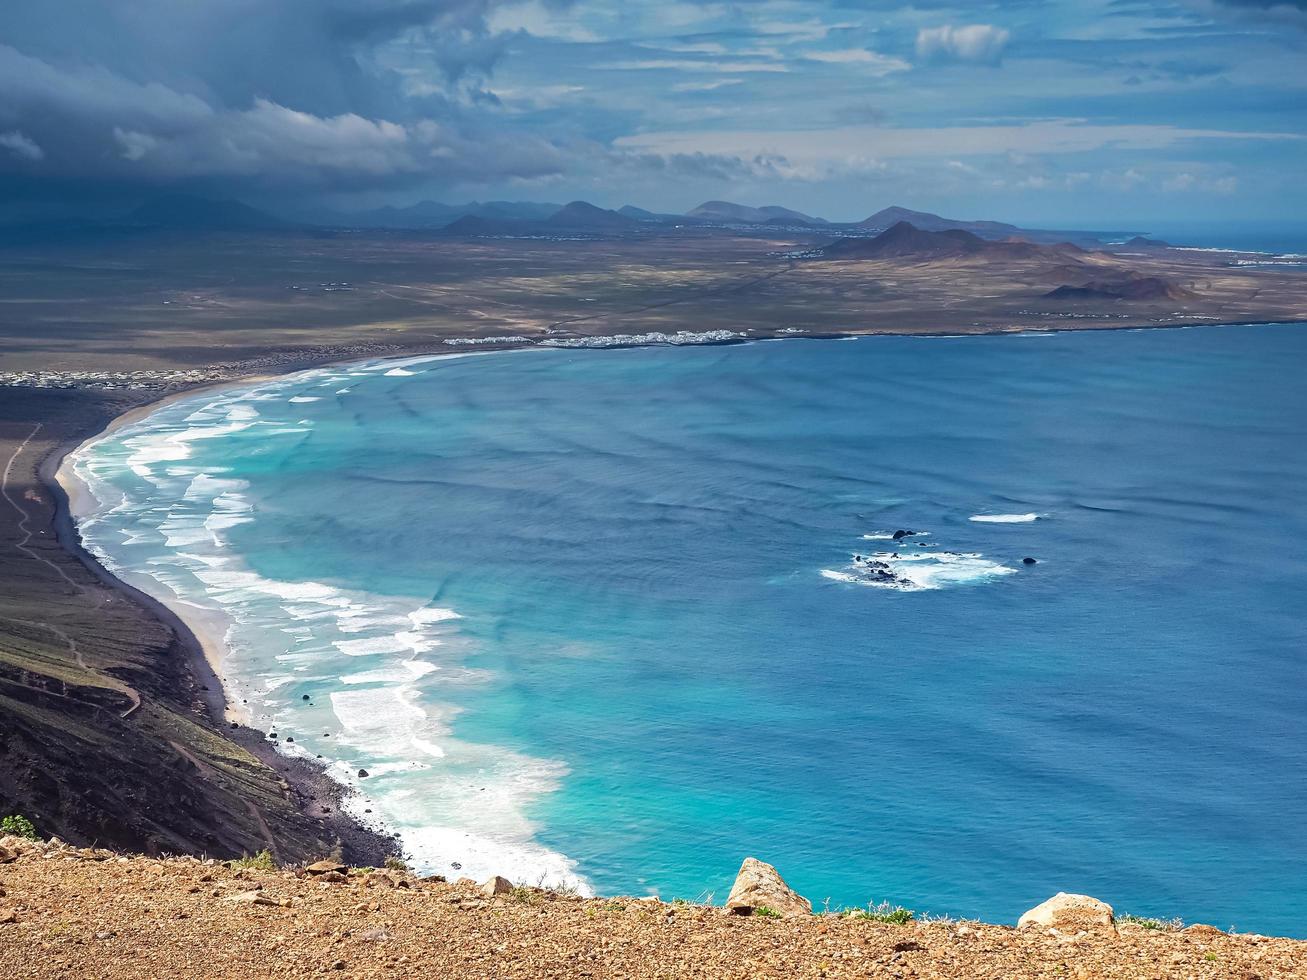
{"points": [[363, 774], [1029, 561], [900, 534], [305, 698], [290, 738]]}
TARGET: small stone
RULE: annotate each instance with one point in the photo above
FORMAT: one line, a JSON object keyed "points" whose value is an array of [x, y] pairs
{"points": [[7, 855], [377, 879], [7, 917], [335, 877], [363, 774], [759, 885], [324, 866], [374, 936], [105, 934], [254, 898]]}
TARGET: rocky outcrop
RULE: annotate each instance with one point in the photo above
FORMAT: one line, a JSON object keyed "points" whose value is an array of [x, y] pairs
{"points": [[760, 886], [498, 885], [1070, 915]]}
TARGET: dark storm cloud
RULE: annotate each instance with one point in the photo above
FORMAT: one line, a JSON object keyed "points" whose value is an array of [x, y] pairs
{"points": [[257, 92]]}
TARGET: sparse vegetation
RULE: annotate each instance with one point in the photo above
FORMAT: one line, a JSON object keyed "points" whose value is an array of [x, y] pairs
{"points": [[263, 861], [1147, 922], [525, 894], [765, 912], [19, 826], [396, 864], [884, 912]]}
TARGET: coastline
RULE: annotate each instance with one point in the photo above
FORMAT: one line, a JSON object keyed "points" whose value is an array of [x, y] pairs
{"points": [[197, 630]]}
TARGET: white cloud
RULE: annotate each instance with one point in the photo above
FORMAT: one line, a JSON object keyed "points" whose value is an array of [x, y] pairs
{"points": [[983, 43], [833, 149], [706, 86], [21, 146], [877, 64], [671, 64], [538, 20], [1183, 182]]}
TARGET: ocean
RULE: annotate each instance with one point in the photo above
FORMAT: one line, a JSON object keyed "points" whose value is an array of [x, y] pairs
{"points": [[620, 618]]}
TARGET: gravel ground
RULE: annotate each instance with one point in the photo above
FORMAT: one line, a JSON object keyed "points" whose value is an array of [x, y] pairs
{"points": [[69, 912]]}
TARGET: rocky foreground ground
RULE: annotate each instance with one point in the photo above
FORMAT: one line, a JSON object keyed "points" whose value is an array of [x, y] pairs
{"points": [[80, 912]]}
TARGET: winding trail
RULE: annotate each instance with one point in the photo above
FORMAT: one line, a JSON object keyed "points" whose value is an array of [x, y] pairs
{"points": [[24, 517], [24, 545]]}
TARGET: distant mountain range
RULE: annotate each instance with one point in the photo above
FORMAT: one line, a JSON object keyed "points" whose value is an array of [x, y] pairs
{"points": [[183, 212]]}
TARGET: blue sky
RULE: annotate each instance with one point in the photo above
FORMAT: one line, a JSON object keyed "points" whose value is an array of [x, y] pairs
{"points": [[1090, 113]]}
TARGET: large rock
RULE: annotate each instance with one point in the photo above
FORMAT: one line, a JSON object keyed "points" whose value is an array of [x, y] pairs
{"points": [[326, 867], [1070, 915], [498, 885], [758, 885]]}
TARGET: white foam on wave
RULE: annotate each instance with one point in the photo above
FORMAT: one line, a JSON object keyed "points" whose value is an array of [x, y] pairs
{"points": [[301, 399], [921, 571], [380, 670], [1004, 518], [399, 372]]}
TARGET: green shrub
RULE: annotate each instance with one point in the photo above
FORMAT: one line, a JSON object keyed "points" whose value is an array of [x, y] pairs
{"points": [[395, 864], [765, 912], [19, 826], [1147, 922], [263, 861], [884, 912]]}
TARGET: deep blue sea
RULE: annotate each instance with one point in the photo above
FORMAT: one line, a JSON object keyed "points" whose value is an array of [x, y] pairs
{"points": [[595, 614]]}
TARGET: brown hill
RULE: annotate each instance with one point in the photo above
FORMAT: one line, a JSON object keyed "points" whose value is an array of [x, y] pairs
{"points": [[583, 215], [889, 217], [1130, 286], [906, 241], [83, 913]]}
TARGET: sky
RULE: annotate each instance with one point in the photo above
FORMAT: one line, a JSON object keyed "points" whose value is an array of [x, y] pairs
{"points": [[1085, 113]]}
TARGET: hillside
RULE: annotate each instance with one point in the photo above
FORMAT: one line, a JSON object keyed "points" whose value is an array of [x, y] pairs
{"points": [[71, 912], [906, 241], [729, 212], [888, 217]]}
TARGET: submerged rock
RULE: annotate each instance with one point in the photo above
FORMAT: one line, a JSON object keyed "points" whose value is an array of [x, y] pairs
{"points": [[759, 885], [1029, 561], [1070, 915]]}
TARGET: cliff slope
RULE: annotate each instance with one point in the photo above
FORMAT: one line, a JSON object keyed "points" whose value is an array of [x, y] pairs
{"points": [[71, 912]]}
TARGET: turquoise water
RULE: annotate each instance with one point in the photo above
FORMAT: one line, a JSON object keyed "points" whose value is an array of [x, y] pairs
{"points": [[595, 614]]}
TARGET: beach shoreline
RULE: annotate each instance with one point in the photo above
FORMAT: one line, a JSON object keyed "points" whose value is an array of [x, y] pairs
{"points": [[202, 632]]}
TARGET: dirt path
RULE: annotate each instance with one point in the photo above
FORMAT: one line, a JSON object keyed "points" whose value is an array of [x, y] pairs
{"points": [[24, 545]]}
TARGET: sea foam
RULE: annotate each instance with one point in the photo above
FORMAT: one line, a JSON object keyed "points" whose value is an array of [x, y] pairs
{"points": [[366, 681]]}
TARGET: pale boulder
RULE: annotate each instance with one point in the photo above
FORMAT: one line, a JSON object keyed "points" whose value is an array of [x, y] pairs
{"points": [[498, 885], [1069, 915], [758, 885]]}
